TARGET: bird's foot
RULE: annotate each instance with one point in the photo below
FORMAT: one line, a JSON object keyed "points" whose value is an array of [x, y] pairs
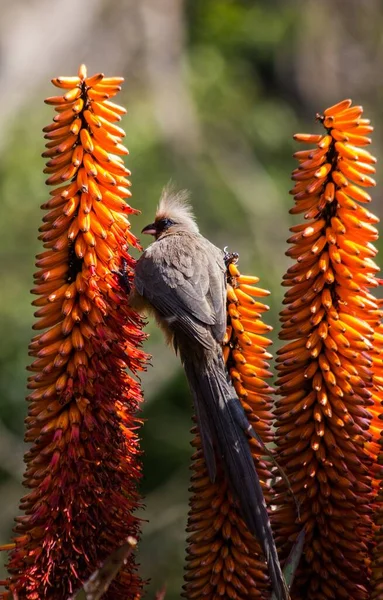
{"points": [[230, 257], [123, 276]]}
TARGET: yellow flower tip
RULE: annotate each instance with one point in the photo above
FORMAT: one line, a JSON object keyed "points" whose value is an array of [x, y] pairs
{"points": [[7, 547], [82, 72]]}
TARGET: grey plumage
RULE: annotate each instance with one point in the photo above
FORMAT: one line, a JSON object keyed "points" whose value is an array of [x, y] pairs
{"points": [[181, 279]]}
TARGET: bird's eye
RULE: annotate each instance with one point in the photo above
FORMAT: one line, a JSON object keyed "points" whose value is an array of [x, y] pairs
{"points": [[164, 224]]}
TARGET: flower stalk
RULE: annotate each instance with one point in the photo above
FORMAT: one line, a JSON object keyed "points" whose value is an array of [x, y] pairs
{"points": [[223, 558], [83, 466], [327, 379]]}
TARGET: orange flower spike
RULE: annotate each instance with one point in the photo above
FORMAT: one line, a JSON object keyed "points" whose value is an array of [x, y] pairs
{"points": [[377, 555], [223, 558], [376, 447], [326, 431], [83, 467]]}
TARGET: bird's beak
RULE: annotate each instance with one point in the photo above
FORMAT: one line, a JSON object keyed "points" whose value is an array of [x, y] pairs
{"points": [[150, 229]]}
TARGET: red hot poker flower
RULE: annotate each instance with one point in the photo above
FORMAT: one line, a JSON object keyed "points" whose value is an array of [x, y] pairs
{"points": [[376, 449], [83, 466], [326, 369]]}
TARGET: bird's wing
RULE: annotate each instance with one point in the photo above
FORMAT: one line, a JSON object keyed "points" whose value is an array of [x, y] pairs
{"points": [[181, 276], [217, 291]]}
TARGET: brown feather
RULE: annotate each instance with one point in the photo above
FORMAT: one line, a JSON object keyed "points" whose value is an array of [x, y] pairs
{"points": [[181, 279]]}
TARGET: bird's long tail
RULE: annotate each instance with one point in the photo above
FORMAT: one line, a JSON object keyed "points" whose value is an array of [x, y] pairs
{"points": [[223, 424]]}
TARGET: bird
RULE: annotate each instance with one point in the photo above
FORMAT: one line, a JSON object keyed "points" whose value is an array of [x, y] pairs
{"points": [[181, 279]]}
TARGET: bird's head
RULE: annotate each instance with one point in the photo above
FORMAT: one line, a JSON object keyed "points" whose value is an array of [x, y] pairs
{"points": [[174, 214]]}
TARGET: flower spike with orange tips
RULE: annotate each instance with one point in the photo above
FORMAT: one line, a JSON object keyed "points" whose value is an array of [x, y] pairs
{"points": [[223, 558], [83, 467], [325, 440], [377, 554], [377, 449]]}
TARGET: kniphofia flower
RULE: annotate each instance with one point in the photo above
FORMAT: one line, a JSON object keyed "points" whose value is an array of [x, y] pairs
{"points": [[223, 558], [326, 370], [377, 556], [83, 466], [377, 428]]}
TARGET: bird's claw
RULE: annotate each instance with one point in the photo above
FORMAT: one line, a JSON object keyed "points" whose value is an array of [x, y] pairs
{"points": [[123, 276], [229, 257]]}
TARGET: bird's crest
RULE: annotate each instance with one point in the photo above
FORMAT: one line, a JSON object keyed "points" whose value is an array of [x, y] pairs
{"points": [[174, 204]]}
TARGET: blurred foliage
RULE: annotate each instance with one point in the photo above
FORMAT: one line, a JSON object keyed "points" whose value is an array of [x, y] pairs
{"points": [[213, 104]]}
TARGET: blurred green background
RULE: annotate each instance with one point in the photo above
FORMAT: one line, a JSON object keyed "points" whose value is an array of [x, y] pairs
{"points": [[215, 90]]}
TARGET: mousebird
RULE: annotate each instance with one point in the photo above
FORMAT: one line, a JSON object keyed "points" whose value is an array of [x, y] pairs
{"points": [[181, 279]]}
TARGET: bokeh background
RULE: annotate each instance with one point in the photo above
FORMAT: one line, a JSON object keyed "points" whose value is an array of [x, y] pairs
{"points": [[215, 90]]}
